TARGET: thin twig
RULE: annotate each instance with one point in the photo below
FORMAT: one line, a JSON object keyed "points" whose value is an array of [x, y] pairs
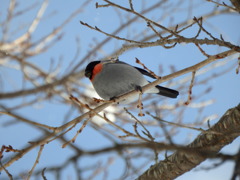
{"points": [[163, 38], [36, 162], [143, 17], [147, 133], [190, 89], [86, 121], [175, 124], [199, 30], [101, 5], [6, 171], [27, 121], [202, 51], [223, 4], [238, 67], [131, 5], [105, 105], [199, 22], [43, 174], [108, 34], [37, 20], [151, 72]]}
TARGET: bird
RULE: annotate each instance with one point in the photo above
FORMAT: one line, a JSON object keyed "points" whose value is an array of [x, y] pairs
{"points": [[113, 78]]}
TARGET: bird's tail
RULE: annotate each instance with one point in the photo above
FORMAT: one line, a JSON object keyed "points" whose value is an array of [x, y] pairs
{"points": [[171, 93]]}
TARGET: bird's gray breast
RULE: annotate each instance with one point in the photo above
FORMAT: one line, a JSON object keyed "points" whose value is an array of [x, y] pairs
{"points": [[117, 79]]}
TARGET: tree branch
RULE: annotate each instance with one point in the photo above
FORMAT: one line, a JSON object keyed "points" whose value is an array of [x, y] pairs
{"points": [[206, 144], [98, 109]]}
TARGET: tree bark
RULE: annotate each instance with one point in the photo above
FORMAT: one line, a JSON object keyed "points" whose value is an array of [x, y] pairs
{"points": [[206, 145], [236, 3]]}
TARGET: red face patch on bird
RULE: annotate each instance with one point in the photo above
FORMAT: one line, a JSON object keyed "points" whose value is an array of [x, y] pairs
{"points": [[97, 69]]}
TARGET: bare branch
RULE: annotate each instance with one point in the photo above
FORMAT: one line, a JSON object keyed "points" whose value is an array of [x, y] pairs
{"points": [[36, 162], [105, 105], [223, 4], [206, 144], [58, 80], [190, 89]]}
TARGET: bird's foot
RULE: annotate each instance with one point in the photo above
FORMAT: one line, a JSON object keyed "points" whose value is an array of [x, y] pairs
{"points": [[139, 89]]}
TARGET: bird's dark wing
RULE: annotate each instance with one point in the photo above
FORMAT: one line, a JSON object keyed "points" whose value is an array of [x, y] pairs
{"points": [[144, 72], [162, 90]]}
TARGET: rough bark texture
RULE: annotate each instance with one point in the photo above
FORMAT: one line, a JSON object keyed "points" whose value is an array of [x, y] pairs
{"points": [[236, 3], [205, 145]]}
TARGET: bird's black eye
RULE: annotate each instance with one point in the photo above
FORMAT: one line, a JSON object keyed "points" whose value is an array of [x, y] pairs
{"points": [[89, 68], [88, 74]]}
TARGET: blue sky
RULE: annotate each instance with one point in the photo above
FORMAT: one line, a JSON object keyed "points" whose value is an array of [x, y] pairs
{"points": [[224, 93]]}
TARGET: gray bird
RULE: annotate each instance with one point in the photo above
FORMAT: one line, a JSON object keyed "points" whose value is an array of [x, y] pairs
{"points": [[111, 79]]}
